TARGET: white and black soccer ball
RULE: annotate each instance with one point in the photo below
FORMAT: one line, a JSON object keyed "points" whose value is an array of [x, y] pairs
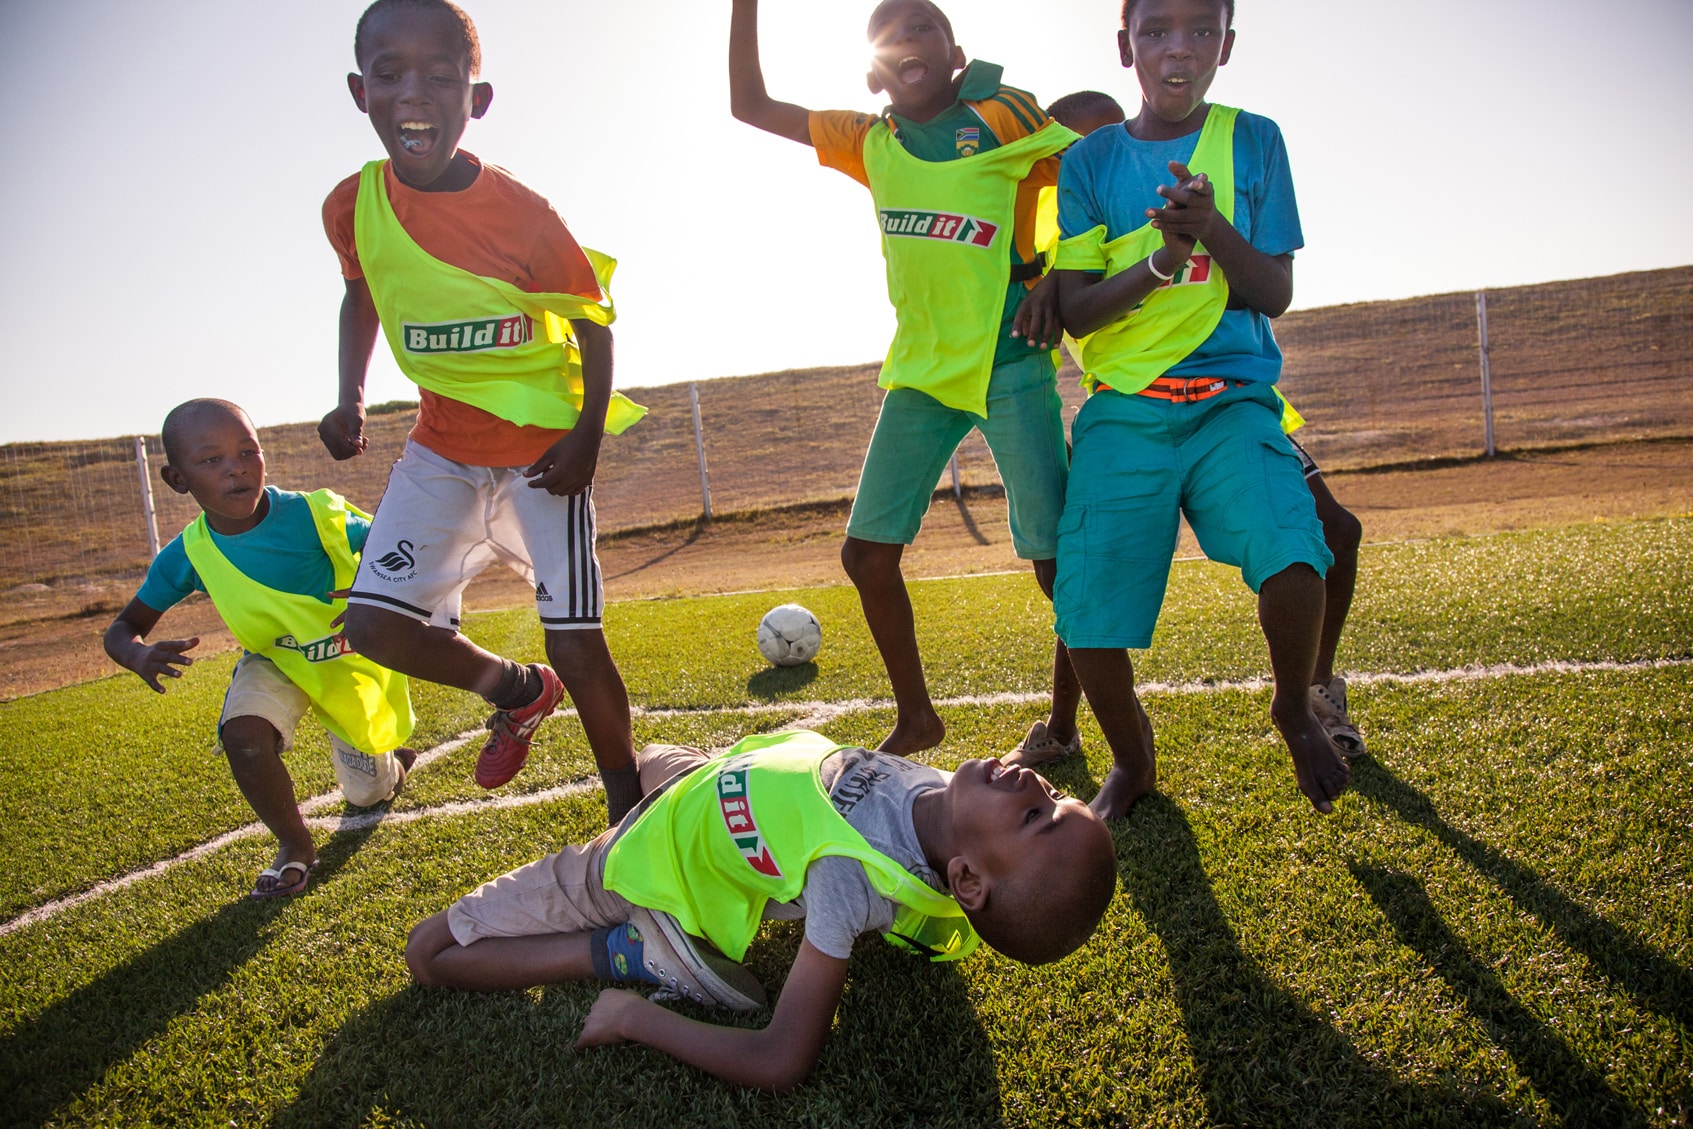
{"points": [[789, 635]]}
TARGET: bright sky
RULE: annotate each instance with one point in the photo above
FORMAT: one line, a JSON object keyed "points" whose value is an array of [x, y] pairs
{"points": [[162, 237]]}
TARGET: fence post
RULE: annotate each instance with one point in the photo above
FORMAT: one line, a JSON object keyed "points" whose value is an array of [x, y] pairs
{"points": [[699, 447], [147, 497], [957, 487], [1486, 372]]}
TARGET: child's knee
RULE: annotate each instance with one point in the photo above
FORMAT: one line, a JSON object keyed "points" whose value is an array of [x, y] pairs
{"points": [[575, 649], [372, 631], [249, 737], [427, 940], [866, 560], [1342, 531]]}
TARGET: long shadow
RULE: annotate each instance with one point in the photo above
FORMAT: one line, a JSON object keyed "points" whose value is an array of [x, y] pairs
{"points": [[969, 521], [73, 1043], [1656, 982], [1263, 1057], [660, 558], [505, 1059], [1578, 1093]]}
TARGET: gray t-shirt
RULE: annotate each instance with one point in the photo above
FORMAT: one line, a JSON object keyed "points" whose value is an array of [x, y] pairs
{"points": [[874, 793]]}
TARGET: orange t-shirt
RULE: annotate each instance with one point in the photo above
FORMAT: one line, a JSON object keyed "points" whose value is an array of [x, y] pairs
{"points": [[497, 228]]}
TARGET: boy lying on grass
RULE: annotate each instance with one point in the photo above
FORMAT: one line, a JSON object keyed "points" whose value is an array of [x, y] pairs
{"points": [[782, 826], [275, 564]]}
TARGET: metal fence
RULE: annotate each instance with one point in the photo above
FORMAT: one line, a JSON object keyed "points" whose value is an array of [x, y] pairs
{"points": [[1379, 383]]}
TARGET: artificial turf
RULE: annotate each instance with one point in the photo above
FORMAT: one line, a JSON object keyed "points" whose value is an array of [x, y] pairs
{"points": [[1492, 929]]}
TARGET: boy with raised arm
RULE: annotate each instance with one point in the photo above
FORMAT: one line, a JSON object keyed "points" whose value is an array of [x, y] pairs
{"points": [[274, 563], [955, 165], [781, 826], [490, 305], [1179, 231]]}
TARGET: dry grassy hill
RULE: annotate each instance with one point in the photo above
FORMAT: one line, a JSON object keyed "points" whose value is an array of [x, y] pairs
{"points": [[1380, 383]]}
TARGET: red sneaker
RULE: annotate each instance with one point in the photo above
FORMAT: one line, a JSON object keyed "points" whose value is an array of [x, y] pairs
{"points": [[511, 731]]}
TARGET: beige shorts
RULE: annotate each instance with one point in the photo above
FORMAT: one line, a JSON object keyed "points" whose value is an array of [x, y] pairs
{"points": [[259, 689], [563, 892]]}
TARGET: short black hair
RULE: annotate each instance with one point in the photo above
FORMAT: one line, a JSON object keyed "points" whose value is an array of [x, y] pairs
{"points": [[468, 40], [1129, 7], [183, 418], [877, 19], [1083, 103]]}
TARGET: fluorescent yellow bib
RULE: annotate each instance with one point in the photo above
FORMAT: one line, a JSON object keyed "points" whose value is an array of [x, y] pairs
{"points": [[946, 234], [1174, 320], [472, 338], [365, 705], [1046, 241], [740, 830]]}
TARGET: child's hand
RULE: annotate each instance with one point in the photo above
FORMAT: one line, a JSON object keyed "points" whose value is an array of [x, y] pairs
{"points": [[1036, 320], [567, 467], [601, 1028], [163, 659], [1192, 209], [342, 431]]}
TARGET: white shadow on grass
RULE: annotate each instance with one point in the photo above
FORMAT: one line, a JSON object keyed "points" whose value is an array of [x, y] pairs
{"points": [[811, 715]]}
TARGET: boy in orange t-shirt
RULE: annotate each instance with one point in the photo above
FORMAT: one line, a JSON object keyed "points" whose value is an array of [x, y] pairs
{"points": [[472, 486]]}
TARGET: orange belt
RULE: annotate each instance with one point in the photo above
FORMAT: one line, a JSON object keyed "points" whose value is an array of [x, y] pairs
{"points": [[1182, 389]]}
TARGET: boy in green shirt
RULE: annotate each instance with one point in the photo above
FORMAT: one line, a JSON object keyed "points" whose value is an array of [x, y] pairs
{"points": [[955, 165]]}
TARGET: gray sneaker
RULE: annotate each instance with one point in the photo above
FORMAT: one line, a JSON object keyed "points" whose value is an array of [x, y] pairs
{"points": [[1329, 704], [691, 968]]}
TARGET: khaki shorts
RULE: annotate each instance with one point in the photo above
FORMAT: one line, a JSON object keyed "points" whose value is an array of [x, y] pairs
{"points": [[563, 892], [259, 689]]}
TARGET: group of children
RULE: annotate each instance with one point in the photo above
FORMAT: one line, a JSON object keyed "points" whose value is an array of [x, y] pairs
{"points": [[1173, 248]]}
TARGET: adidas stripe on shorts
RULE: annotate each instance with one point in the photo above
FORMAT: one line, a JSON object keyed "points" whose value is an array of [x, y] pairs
{"points": [[441, 523]]}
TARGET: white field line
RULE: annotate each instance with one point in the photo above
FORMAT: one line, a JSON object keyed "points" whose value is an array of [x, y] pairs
{"points": [[810, 715]]}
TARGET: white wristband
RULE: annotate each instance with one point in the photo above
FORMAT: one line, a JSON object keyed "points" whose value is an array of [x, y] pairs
{"points": [[1158, 274]]}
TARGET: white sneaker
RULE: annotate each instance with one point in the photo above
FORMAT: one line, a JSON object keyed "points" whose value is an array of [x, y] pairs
{"points": [[1329, 704], [690, 968]]}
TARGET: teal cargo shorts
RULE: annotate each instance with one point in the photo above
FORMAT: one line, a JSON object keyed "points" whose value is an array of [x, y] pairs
{"points": [[1139, 464], [917, 434]]}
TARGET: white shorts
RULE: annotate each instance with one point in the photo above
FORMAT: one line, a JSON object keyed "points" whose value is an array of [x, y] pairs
{"points": [[441, 522], [259, 689]]}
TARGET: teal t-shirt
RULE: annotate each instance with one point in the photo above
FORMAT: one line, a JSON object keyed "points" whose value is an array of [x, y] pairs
{"points": [[960, 132], [281, 552]]}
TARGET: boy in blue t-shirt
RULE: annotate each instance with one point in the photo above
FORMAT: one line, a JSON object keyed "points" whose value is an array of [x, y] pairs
{"points": [[271, 538], [1176, 286]]}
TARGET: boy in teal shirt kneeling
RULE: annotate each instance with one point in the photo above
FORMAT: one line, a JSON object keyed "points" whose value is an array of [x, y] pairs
{"points": [[275, 564]]}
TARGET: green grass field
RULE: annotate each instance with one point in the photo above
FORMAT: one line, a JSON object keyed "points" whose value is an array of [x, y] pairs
{"points": [[1494, 928]]}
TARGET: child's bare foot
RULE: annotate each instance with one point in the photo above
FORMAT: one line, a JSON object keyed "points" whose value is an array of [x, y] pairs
{"points": [[913, 734], [1122, 789], [1321, 773]]}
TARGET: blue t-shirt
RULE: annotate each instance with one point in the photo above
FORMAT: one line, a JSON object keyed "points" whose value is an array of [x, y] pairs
{"points": [[1110, 178], [281, 552]]}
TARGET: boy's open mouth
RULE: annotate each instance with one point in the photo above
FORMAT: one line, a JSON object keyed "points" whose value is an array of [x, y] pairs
{"points": [[418, 138], [912, 70]]}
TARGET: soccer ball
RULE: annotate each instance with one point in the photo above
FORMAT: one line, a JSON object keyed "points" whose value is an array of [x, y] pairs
{"points": [[789, 635]]}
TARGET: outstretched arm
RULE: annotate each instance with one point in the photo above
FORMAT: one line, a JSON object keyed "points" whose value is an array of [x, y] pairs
{"points": [[777, 1058], [342, 430], [125, 642], [747, 98]]}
